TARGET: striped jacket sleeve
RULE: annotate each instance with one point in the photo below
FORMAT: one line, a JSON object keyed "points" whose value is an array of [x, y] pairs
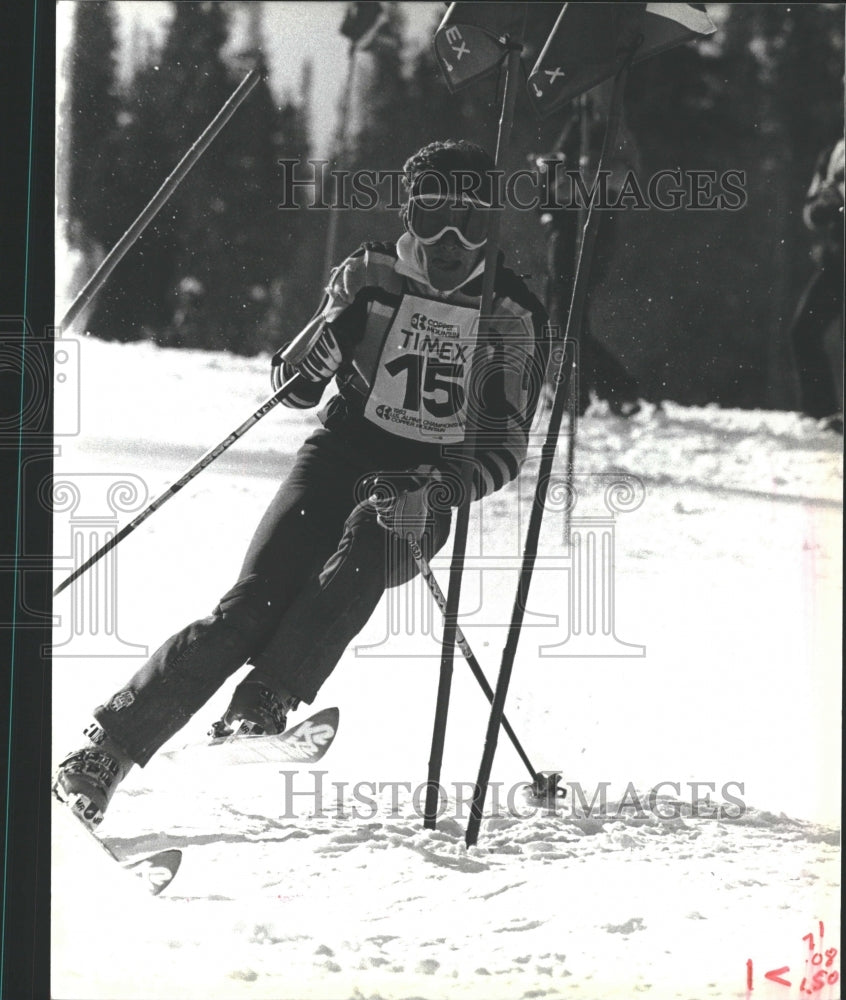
{"points": [[511, 378]]}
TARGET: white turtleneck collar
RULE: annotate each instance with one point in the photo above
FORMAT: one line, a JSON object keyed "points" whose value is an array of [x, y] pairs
{"points": [[411, 262]]}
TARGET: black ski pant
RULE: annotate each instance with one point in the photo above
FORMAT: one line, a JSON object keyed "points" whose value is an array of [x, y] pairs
{"points": [[316, 568]]}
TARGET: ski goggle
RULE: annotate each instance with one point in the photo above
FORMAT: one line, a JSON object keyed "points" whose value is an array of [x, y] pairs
{"points": [[432, 215]]}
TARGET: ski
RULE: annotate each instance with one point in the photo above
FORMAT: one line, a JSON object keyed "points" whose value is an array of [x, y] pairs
{"points": [[154, 871], [303, 744]]}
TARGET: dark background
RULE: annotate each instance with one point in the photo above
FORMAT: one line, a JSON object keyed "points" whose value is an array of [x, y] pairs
{"points": [[695, 303], [27, 82]]}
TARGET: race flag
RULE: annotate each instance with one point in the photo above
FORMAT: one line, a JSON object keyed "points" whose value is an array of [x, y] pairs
{"points": [[470, 41], [589, 43], [667, 25]]}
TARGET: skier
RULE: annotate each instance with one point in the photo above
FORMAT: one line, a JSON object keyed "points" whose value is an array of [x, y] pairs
{"points": [[396, 329]]}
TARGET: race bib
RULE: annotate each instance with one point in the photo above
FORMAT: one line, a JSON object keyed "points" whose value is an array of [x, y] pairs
{"points": [[419, 388]]}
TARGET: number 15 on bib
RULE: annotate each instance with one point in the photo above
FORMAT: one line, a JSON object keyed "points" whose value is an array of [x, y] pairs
{"points": [[420, 385]]}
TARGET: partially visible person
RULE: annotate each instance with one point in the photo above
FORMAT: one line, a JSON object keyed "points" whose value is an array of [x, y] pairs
{"points": [[821, 302]]}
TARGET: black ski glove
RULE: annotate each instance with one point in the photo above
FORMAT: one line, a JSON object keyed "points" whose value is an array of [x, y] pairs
{"points": [[319, 365], [402, 500]]}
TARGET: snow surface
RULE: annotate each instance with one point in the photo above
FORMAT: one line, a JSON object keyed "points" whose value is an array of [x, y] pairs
{"points": [[728, 572]]}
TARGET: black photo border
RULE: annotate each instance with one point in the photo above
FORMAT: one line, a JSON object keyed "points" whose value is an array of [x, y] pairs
{"points": [[27, 167]]}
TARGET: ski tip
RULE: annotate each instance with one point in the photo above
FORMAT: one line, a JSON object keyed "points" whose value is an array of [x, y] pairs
{"points": [[313, 735], [325, 717], [157, 871], [79, 856]]}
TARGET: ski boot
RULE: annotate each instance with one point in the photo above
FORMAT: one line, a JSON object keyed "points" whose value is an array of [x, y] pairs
{"points": [[86, 779], [256, 710]]}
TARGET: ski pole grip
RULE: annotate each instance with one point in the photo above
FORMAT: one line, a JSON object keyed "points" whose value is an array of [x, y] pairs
{"points": [[299, 348], [304, 341]]}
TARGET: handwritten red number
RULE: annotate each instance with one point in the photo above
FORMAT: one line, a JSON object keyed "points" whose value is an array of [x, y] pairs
{"points": [[830, 954], [810, 939]]}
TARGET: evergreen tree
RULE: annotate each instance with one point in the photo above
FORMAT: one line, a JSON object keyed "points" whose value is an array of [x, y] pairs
{"points": [[133, 303], [233, 247], [93, 113], [136, 301], [248, 253], [380, 119], [191, 85], [300, 276], [211, 270], [761, 96], [380, 98]]}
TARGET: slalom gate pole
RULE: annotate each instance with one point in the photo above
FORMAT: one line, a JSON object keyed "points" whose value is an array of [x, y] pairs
{"points": [[462, 643], [120, 249], [202, 463], [573, 418], [563, 380], [430, 814]]}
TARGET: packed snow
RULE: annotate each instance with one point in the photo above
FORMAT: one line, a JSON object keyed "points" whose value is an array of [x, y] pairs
{"points": [[701, 761]]}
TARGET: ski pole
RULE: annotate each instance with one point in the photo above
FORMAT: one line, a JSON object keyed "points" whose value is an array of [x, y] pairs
{"points": [[547, 457], [464, 646], [202, 463], [120, 249]]}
